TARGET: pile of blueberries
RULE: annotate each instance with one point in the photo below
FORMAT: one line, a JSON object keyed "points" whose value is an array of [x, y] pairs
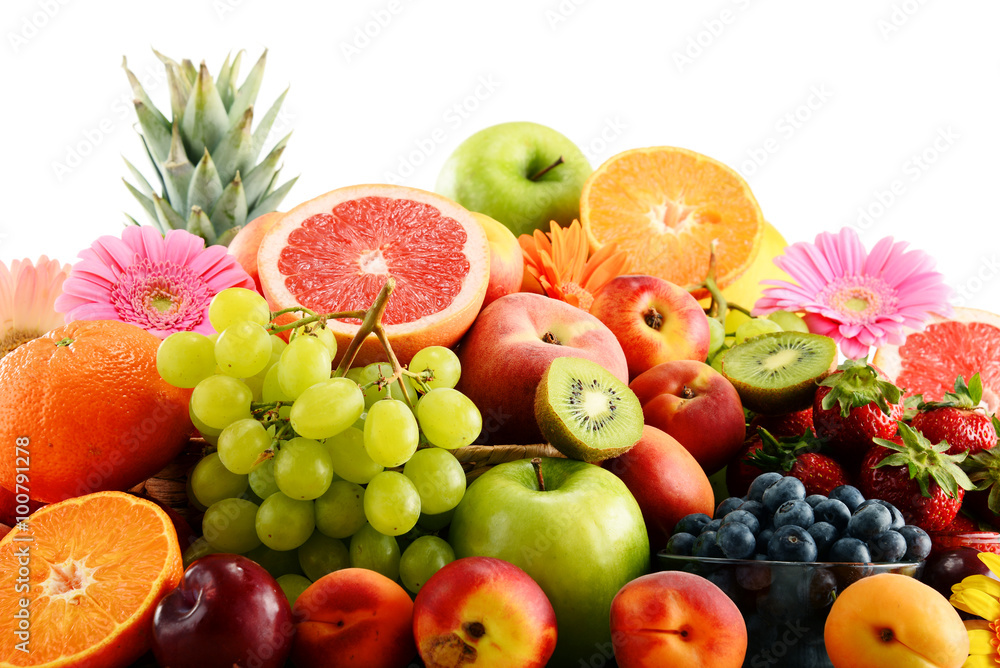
{"points": [[776, 521]]}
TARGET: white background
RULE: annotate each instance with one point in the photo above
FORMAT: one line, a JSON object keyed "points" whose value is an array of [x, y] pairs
{"points": [[823, 107]]}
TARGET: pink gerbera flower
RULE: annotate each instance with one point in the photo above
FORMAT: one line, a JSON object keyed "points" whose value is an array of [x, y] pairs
{"points": [[27, 294], [162, 284], [857, 298]]}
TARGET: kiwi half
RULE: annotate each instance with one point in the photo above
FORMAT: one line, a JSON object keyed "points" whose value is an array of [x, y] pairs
{"points": [[585, 412], [777, 372]]}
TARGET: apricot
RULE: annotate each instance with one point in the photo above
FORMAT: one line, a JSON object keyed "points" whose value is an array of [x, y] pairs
{"points": [[894, 620]]}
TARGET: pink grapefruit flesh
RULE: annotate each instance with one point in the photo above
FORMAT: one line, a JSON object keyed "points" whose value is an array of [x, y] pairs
{"points": [[335, 252]]}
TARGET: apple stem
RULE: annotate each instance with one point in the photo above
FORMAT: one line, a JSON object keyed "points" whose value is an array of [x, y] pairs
{"points": [[653, 318], [537, 463], [543, 172]]}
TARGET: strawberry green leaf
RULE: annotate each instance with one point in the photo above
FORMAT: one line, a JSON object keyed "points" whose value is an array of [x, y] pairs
{"points": [[857, 384], [993, 501]]}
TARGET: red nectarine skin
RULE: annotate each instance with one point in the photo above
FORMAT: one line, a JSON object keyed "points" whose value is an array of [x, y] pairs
{"points": [[353, 617], [244, 245], [673, 618], [484, 612], [506, 259]]}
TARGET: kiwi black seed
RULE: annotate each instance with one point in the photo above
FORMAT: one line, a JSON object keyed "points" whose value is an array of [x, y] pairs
{"points": [[585, 411], [777, 373]]}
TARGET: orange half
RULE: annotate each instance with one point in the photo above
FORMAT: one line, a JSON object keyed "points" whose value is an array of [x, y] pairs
{"points": [[665, 206], [89, 571]]}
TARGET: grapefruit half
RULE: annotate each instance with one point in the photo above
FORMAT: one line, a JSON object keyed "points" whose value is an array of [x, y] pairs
{"points": [[335, 252], [929, 361]]}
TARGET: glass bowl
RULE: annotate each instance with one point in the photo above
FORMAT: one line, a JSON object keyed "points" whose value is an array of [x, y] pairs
{"points": [[784, 603], [981, 541]]}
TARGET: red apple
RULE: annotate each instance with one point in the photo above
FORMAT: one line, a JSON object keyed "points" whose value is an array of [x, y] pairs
{"points": [[656, 321], [506, 259], [695, 404], [666, 481], [508, 348], [485, 612], [673, 618], [245, 244]]}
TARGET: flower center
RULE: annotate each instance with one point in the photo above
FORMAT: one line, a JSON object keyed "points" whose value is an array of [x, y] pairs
{"points": [[16, 337], [160, 295], [859, 299]]}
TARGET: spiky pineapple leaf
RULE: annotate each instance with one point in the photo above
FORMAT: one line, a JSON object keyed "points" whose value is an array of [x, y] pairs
{"points": [[224, 82], [180, 91], [263, 175], [189, 70], [146, 202], [198, 223], [231, 208], [205, 120], [169, 219], [156, 134], [177, 172], [247, 94], [132, 221], [272, 201], [143, 184], [227, 237], [265, 124], [139, 93], [232, 155], [206, 186]]}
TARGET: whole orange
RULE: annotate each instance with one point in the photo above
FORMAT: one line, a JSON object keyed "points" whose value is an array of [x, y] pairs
{"points": [[83, 409]]}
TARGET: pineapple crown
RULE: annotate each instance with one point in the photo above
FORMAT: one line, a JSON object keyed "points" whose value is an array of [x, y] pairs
{"points": [[205, 157], [858, 384], [966, 395], [926, 462], [780, 454]]}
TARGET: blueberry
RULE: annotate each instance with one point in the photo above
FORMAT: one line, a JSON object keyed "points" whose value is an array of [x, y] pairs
{"points": [[918, 543], [850, 495], [743, 517], [833, 511], [680, 543], [850, 550], [791, 543], [815, 499], [763, 538], [705, 546], [869, 521], [736, 540], [795, 512], [714, 525], [825, 535], [888, 546], [786, 489], [727, 506], [755, 508], [692, 524], [897, 517], [760, 483]]}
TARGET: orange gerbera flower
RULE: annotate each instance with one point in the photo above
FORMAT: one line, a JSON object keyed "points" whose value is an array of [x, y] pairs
{"points": [[558, 261]]}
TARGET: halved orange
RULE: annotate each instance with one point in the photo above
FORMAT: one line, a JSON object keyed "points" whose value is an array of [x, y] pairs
{"points": [[89, 571], [665, 206]]}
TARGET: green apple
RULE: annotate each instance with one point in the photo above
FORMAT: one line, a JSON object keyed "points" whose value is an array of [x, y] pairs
{"points": [[573, 527], [522, 174]]}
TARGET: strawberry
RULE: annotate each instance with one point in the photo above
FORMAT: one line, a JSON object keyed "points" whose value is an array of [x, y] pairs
{"points": [[799, 457], [855, 405], [788, 424], [920, 479], [958, 419], [740, 472]]}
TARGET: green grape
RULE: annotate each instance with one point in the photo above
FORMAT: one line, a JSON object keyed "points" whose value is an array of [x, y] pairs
{"points": [[375, 551], [221, 400], [734, 319], [717, 360], [391, 433], [211, 481], [256, 381], [304, 362], [340, 512], [755, 327], [321, 555], [327, 408], [241, 444], [371, 373], [185, 358], [435, 522], [716, 335], [243, 349], [423, 558], [196, 550], [262, 479], [210, 434], [789, 322], [350, 458], [192, 498], [322, 333], [278, 344], [284, 523], [251, 497], [354, 373], [271, 392], [448, 418], [302, 468], [438, 477], [230, 525], [235, 304], [392, 503], [443, 362], [292, 585], [276, 562]]}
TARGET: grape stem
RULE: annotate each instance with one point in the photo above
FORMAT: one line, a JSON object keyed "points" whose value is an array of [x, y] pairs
{"points": [[315, 317]]}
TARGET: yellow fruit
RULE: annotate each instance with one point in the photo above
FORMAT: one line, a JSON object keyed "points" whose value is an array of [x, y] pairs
{"points": [[746, 290]]}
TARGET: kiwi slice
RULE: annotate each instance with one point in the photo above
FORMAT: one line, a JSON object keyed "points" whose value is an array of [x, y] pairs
{"points": [[777, 372], [585, 412]]}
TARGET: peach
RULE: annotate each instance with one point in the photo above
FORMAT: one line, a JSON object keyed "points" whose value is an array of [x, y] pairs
{"points": [[506, 259], [485, 612], [673, 618], [245, 244], [894, 620], [353, 617]]}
